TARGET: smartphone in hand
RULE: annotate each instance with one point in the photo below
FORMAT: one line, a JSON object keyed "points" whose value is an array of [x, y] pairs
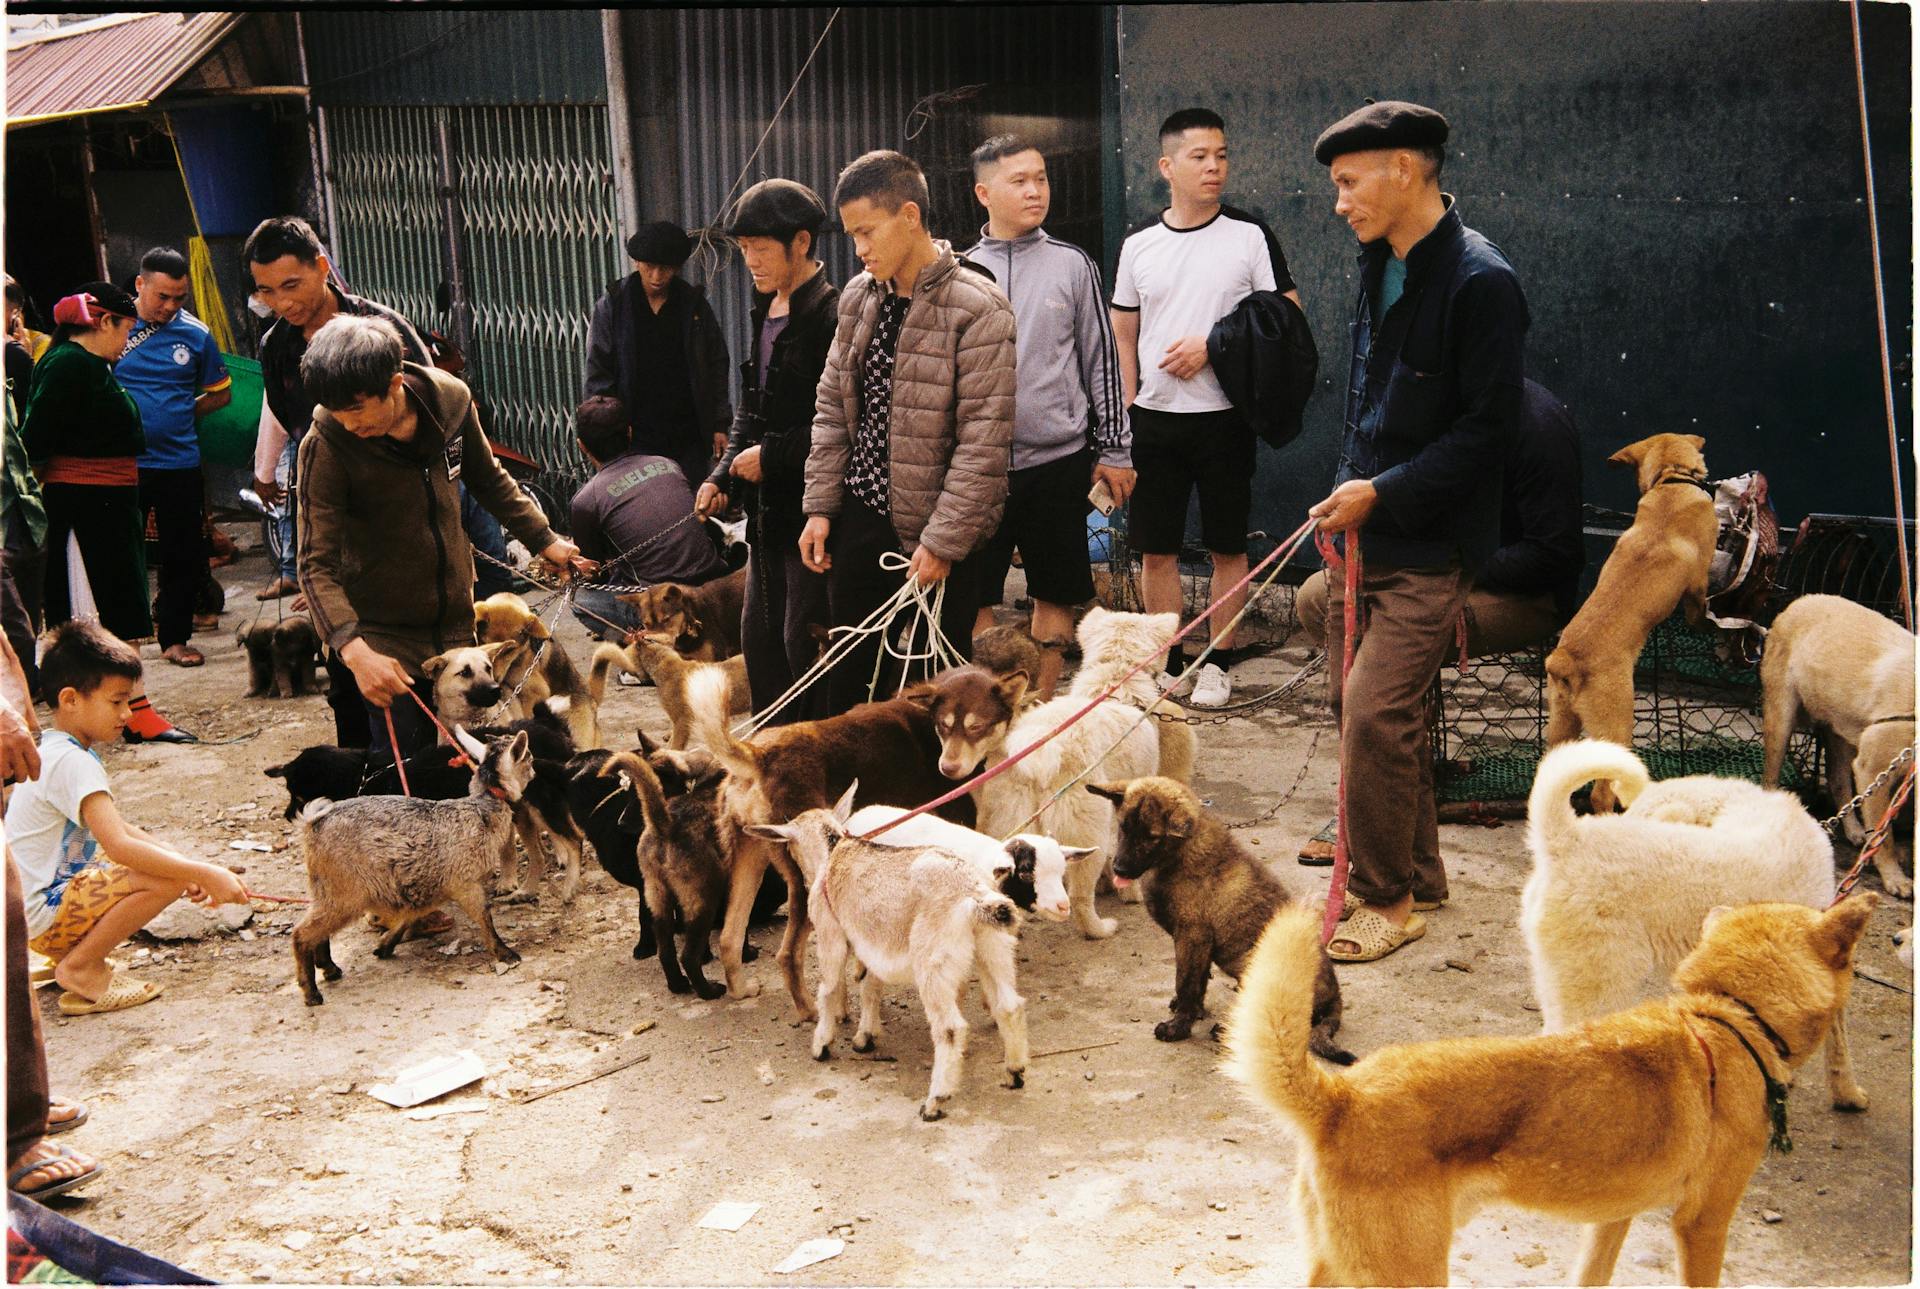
{"points": [[1101, 497]]}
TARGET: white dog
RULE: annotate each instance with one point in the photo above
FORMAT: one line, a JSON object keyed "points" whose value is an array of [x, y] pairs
{"points": [[1614, 900], [1110, 644]]}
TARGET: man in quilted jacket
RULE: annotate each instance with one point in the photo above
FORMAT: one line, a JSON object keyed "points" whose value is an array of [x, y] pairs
{"points": [[913, 424]]}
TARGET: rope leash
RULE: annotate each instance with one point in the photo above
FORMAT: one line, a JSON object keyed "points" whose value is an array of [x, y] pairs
{"points": [[845, 639], [1351, 628], [1290, 548], [1279, 552], [1878, 838]]}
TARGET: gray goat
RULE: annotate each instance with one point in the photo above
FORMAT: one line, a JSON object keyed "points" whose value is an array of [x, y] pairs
{"points": [[915, 913], [402, 857]]}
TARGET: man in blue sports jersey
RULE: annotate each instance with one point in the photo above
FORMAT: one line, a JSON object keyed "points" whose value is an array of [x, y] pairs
{"points": [[174, 371]]}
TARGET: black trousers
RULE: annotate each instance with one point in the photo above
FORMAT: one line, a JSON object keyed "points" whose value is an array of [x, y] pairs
{"points": [[857, 585], [785, 600], [106, 520], [412, 728], [177, 499], [350, 726], [26, 1054], [22, 582]]}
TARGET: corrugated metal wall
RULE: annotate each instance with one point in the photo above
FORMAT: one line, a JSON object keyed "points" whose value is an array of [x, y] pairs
{"points": [[524, 95], [1679, 186], [422, 57], [930, 82]]}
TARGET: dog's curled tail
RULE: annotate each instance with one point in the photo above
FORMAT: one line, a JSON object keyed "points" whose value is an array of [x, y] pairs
{"points": [[646, 788], [709, 698], [1272, 1023], [605, 658], [1563, 771]]}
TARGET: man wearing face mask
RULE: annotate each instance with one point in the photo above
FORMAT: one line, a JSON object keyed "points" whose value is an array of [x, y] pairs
{"points": [[776, 224]]}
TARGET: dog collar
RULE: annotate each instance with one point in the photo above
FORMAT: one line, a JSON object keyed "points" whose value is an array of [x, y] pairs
{"points": [[497, 792], [1698, 481], [1778, 1140], [1889, 720], [1779, 1044]]}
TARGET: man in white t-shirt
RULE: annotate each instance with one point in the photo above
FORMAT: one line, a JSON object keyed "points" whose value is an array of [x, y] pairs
{"points": [[1179, 274]]}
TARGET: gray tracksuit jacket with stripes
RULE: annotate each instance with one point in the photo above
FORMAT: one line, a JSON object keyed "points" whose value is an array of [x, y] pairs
{"points": [[1069, 370]]}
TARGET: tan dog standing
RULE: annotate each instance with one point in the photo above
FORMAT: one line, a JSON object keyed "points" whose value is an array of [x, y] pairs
{"points": [[702, 621], [1848, 671], [538, 668], [1666, 1104], [1659, 563]]}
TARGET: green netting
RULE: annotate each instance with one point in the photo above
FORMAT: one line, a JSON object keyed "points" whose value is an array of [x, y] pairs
{"points": [[1506, 774], [1678, 650]]}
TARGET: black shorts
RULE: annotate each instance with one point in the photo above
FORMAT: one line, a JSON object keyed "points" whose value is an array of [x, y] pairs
{"points": [[1046, 518], [1177, 452]]}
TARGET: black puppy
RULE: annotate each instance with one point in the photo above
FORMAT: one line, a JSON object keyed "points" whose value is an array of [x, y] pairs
{"points": [[341, 773]]}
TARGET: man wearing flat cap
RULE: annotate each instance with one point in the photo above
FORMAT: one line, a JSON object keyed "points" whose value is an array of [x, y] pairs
{"points": [[1434, 392], [655, 345]]}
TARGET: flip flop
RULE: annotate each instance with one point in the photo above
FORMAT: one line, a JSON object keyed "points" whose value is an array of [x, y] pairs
{"points": [[122, 993], [56, 1126], [1375, 936], [188, 656], [48, 1191], [1318, 850]]}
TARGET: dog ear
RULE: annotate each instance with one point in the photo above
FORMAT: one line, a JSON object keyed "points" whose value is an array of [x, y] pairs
{"points": [[433, 666], [1841, 927], [498, 647], [921, 696], [275, 772], [647, 746], [1012, 687], [535, 629], [1630, 455], [1699, 444], [1114, 792]]}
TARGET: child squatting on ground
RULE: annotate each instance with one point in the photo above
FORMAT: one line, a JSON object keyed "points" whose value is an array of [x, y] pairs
{"points": [[81, 903]]}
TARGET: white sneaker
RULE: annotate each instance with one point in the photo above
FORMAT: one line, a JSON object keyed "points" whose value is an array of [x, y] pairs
{"points": [[1211, 688], [1172, 688]]}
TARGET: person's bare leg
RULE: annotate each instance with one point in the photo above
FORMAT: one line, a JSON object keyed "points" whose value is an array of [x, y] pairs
{"points": [[983, 620], [1051, 622], [1160, 583], [84, 969], [1227, 569]]}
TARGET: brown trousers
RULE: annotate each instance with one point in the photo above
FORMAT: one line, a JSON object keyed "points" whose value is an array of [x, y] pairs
{"points": [[1497, 621], [1386, 761], [26, 1055]]}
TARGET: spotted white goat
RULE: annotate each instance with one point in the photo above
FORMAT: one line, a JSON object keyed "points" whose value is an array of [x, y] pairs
{"points": [[1038, 881], [916, 913]]}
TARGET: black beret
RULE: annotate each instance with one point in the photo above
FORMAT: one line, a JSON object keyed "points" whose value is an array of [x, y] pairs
{"points": [[660, 243], [777, 208], [1389, 124]]}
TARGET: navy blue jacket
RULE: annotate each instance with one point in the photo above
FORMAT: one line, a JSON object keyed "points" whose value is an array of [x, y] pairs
{"points": [[1433, 400]]}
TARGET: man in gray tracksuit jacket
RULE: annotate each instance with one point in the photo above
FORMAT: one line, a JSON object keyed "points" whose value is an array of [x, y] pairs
{"points": [[1070, 424]]}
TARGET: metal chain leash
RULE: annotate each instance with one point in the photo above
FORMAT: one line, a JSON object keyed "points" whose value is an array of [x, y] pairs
{"points": [[1237, 711], [1287, 796], [1839, 817]]}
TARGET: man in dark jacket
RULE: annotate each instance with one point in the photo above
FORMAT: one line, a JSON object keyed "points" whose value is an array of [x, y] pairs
{"points": [[655, 345], [1433, 402], [384, 561], [795, 307]]}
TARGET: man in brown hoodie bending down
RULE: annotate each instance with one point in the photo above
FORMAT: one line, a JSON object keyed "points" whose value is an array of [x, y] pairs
{"points": [[913, 425], [384, 562]]}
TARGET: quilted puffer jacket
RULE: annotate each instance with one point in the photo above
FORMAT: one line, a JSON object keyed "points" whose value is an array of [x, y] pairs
{"points": [[950, 438]]}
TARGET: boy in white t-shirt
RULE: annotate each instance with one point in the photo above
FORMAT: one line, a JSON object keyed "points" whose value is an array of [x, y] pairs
{"points": [[1178, 275], [79, 904]]}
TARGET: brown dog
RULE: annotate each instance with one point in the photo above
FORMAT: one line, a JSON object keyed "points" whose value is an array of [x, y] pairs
{"points": [[1658, 563], [538, 668], [1664, 1105], [1210, 895], [784, 771], [281, 656], [702, 621], [652, 657]]}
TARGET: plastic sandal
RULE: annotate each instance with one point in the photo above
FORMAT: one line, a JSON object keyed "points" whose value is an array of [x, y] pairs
{"points": [[122, 993], [1375, 936]]}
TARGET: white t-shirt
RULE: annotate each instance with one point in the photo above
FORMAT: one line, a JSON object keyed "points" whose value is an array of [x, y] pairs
{"points": [[1183, 280], [50, 844]]}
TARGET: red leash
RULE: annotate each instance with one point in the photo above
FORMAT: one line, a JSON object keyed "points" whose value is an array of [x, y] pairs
{"points": [[393, 746], [393, 743], [1877, 838], [1283, 550], [1350, 617]]}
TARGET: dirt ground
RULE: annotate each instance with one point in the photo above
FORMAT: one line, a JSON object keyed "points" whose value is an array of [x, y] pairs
{"points": [[241, 1142]]}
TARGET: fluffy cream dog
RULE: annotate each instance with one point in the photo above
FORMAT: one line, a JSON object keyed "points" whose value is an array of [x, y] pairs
{"points": [[1110, 644], [1615, 901]]}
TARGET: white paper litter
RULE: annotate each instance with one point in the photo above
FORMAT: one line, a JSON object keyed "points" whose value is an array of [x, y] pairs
{"points": [[259, 846], [729, 1215], [429, 1079], [809, 1253]]}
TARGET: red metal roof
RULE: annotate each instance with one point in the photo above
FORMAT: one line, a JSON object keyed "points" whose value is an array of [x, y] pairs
{"points": [[117, 63]]}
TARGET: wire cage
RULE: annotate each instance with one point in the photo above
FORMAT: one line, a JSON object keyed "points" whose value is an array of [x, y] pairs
{"points": [[1270, 622]]}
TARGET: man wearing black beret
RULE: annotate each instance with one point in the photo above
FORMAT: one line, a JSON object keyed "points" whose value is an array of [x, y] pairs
{"points": [[655, 345], [1433, 404]]}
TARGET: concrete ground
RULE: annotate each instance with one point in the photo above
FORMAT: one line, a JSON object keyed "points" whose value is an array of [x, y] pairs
{"points": [[241, 1142]]}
